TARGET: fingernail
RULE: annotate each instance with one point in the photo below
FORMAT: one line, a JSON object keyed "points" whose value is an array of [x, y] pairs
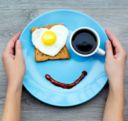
{"points": [[106, 30], [18, 33], [108, 44], [18, 43]]}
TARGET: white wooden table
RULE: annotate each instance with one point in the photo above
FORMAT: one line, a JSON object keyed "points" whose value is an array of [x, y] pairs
{"points": [[15, 14]]}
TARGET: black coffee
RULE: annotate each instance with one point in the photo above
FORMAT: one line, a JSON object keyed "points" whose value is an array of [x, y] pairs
{"points": [[84, 41]]}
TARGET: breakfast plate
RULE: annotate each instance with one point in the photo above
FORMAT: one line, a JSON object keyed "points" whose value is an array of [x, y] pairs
{"points": [[66, 71]]}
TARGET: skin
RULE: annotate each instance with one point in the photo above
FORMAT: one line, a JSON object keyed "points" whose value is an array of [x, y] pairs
{"points": [[13, 62], [115, 68], [14, 67]]}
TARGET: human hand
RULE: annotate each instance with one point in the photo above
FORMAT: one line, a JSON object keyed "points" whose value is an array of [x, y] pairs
{"points": [[115, 62], [14, 62]]}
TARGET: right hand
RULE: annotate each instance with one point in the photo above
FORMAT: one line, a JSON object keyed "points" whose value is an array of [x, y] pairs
{"points": [[115, 62]]}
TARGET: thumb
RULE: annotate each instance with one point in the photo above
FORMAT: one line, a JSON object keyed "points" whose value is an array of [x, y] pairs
{"points": [[109, 51], [18, 49]]}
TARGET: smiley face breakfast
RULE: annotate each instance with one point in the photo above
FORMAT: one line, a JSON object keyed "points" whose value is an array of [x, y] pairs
{"points": [[50, 44]]}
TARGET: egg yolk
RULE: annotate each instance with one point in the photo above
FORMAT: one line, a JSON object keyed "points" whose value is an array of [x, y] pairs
{"points": [[48, 38]]}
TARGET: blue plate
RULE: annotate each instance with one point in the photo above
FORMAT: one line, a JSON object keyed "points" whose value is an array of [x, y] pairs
{"points": [[63, 70]]}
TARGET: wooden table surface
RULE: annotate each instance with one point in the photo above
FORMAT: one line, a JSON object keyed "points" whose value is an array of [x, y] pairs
{"points": [[15, 14]]}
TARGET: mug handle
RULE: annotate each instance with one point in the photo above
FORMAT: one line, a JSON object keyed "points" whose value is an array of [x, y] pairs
{"points": [[101, 52]]}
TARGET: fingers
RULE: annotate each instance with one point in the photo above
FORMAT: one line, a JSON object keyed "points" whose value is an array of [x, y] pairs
{"points": [[18, 50], [11, 44], [115, 42], [109, 51]]}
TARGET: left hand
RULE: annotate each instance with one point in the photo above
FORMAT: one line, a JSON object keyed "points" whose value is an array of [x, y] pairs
{"points": [[14, 62]]}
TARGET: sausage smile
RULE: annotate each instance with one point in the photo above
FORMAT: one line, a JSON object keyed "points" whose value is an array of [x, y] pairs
{"points": [[63, 85]]}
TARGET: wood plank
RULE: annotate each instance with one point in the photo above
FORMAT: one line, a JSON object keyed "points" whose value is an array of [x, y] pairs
{"points": [[33, 4]]}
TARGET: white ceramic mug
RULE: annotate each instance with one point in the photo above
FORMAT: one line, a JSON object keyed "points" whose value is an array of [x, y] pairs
{"points": [[97, 49]]}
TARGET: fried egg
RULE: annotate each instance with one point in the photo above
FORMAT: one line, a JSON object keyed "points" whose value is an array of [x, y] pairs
{"points": [[50, 41]]}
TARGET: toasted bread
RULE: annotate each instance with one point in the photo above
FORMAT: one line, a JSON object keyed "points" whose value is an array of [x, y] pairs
{"points": [[39, 56]]}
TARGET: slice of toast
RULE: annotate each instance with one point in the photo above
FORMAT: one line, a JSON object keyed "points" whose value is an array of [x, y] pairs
{"points": [[39, 56]]}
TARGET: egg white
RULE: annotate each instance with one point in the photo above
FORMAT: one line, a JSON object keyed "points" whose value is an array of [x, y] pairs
{"points": [[61, 34]]}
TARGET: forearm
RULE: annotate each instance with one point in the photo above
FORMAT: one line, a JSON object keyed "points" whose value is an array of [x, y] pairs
{"points": [[12, 106], [114, 108]]}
